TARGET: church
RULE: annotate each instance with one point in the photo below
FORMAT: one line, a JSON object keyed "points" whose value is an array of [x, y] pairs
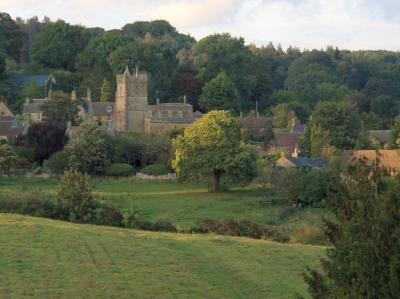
{"points": [[132, 112]]}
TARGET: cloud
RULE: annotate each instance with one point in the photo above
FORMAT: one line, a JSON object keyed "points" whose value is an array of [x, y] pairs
{"points": [[351, 24]]}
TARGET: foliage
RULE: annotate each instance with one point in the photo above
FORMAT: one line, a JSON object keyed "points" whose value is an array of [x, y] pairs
{"points": [[58, 44], [75, 196], [8, 159], [333, 123], [309, 235], [119, 169], [219, 94], [60, 109], [57, 163], [210, 147], [32, 91], [394, 140], [385, 106], [88, 150], [105, 95], [363, 261], [46, 138], [10, 37], [156, 169]]}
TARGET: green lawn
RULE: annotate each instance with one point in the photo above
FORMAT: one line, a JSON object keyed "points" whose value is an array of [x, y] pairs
{"points": [[181, 204], [52, 259]]}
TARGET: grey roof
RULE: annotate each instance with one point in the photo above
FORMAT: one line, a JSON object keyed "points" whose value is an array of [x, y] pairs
{"points": [[27, 79], [300, 128], [11, 128], [100, 108], [33, 107], [6, 118], [307, 162]]}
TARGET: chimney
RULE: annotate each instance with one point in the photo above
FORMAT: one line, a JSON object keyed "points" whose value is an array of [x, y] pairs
{"points": [[137, 70], [89, 94], [241, 114], [296, 153], [27, 100], [158, 100], [184, 99], [127, 73], [257, 113], [73, 95]]}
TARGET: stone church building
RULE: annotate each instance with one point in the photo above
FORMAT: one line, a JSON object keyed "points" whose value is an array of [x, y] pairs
{"points": [[132, 112]]}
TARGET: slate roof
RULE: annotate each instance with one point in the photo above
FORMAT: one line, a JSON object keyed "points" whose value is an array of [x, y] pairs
{"points": [[33, 107], [100, 108], [300, 128], [11, 128], [307, 162], [27, 79]]}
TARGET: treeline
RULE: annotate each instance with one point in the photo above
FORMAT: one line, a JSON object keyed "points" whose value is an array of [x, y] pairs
{"points": [[216, 72]]}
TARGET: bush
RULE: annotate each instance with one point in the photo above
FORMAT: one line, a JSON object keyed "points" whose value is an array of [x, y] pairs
{"points": [[309, 235], [57, 163], [75, 196], [109, 216], [119, 169], [156, 169], [33, 204], [244, 228]]}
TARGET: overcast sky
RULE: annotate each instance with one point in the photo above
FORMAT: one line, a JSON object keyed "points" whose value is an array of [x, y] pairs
{"points": [[348, 24]]}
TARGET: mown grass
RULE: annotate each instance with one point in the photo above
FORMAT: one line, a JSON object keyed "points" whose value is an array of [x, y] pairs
{"points": [[181, 204], [51, 259]]}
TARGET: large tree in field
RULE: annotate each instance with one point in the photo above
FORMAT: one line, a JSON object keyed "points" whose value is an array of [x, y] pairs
{"points": [[364, 259], [220, 94], [88, 150], [60, 109], [211, 146]]}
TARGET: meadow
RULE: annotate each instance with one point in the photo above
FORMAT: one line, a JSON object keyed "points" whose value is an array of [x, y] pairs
{"points": [[181, 204], [44, 258]]}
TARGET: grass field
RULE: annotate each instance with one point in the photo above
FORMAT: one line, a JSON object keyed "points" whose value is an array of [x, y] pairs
{"points": [[181, 204], [52, 259]]}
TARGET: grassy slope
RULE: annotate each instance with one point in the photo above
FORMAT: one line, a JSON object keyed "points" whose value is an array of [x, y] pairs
{"points": [[181, 204], [53, 259]]}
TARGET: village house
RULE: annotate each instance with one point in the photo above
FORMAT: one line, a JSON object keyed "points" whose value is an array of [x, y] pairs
{"points": [[5, 111], [10, 130], [295, 161]]}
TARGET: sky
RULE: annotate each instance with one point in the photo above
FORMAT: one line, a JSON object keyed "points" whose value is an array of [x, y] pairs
{"points": [[307, 24]]}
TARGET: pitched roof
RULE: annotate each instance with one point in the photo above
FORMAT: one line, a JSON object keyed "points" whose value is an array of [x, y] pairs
{"points": [[100, 108], [299, 128], [307, 162], [389, 159], [11, 128], [33, 107], [27, 79], [382, 135]]}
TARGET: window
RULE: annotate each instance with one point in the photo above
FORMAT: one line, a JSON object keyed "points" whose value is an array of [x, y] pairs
{"points": [[2, 113], [174, 113], [153, 113], [165, 113], [109, 109]]}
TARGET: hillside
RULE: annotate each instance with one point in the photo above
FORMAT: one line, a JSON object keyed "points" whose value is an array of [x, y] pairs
{"points": [[52, 259]]}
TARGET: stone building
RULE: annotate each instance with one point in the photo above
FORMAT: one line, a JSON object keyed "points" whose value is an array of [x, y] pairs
{"points": [[132, 112], [5, 111]]}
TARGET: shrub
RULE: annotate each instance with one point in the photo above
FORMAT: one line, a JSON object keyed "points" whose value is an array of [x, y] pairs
{"points": [[309, 235], [156, 169], [75, 196], [109, 216], [33, 204], [57, 163], [244, 228], [119, 169]]}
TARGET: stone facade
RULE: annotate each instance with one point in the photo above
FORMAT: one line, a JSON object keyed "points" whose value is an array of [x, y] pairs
{"points": [[5, 111], [132, 113]]}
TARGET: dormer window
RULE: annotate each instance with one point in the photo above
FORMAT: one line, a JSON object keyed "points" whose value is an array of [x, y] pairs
{"points": [[109, 109]]}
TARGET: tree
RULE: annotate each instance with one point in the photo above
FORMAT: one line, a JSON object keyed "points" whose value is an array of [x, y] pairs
{"points": [[74, 196], [105, 95], [10, 37], [58, 44], [32, 91], [282, 113], [211, 147], [220, 94], [334, 123], [88, 150], [394, 140], [8, 159], [45, 138], [363, 259], [385, 106], [60, 109]]}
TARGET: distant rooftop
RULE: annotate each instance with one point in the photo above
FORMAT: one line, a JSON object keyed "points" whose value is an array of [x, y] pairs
{"points": [[27, 79]]}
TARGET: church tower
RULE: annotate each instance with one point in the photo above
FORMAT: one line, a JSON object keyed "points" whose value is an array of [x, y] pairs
{"points": [[131, 102]]}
